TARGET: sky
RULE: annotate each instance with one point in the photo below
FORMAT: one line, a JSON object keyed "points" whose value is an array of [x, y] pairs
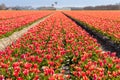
{"points": [[61, 3]]}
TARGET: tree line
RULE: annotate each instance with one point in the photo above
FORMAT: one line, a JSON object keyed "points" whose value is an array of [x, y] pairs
{"points": [[101, 7]]}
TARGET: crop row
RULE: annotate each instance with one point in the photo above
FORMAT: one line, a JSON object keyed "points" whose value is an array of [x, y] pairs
{"points": [[4, 15], [11, 25], [57, 49], [105, 25], [109, 15]]}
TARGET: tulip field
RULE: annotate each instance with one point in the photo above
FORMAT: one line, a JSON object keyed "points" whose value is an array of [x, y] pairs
{"points": [[105, 22], [57, 48], [14, 21]]}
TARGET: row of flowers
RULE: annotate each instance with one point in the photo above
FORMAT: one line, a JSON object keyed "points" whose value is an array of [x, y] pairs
{"points": [[106, 25], [57, 49], [10, 25], [111, 15], [10, 14]]}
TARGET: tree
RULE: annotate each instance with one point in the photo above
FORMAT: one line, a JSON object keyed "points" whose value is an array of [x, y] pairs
{"points": [[2, 7], [55, 3], [52, 5]]}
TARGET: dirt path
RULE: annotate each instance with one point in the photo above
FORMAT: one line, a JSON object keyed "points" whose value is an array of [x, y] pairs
{"points": [[4, 42]]}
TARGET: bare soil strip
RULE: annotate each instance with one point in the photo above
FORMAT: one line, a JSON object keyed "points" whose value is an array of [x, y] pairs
{"points": [[106, 44], [4, 42]]}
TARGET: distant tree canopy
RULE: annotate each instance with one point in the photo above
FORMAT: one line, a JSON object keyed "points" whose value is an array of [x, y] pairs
{"points": [[46, 8], [103, 7], [52, 7], [2, 7], [22, 8]]}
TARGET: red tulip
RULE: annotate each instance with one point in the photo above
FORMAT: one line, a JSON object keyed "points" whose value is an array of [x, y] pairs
{"points": [[2, 77], [20, 78], [27, 65], [25, 72], [52, 78], [36, 77], [16, 74], [48, 71], [48, 56]]}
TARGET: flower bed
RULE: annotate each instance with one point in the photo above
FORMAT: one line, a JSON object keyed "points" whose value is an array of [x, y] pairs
{"points": [[9, 26], [106, 25], [52, 48]]}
